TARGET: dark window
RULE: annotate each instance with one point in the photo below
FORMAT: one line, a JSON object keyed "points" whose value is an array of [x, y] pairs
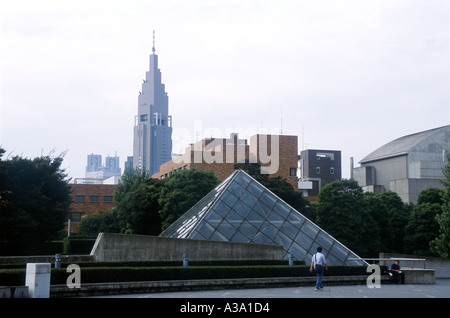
{"points": [[108, 198], [293, 172], [93, 198], [79, 198], [76, 216]]}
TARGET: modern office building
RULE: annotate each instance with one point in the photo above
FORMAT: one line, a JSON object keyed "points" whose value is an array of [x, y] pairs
{"points": [[407, 165], [240, 209], [317, 168], [94, 163], [152, 143], [96, 172]]}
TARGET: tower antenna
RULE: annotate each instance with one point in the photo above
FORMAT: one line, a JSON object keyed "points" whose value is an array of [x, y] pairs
{"points": [[153, 49]]}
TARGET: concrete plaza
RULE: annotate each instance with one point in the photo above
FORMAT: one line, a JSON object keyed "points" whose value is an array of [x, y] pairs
{"points": [[439, 290]]}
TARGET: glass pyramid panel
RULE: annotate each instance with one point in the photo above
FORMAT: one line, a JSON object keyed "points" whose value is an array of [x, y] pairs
{"points": [[240, 209]]}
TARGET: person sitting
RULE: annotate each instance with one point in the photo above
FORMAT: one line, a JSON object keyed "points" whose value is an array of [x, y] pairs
{"points": [[396, 273]]}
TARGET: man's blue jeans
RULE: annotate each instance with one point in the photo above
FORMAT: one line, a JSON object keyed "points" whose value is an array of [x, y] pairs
{"points": [[319, 280]]}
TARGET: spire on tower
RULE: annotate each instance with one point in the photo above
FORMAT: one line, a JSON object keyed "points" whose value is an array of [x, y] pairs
{"points": [[153, 49]]}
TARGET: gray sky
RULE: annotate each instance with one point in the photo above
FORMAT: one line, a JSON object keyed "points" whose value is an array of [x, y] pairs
{"points": [[344, 75]]}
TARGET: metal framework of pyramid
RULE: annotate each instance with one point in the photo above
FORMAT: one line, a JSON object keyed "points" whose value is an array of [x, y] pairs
{"points": [[240, 209]]}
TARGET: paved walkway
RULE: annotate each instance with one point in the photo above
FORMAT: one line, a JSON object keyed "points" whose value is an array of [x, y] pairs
{"points": [[439, 290]]}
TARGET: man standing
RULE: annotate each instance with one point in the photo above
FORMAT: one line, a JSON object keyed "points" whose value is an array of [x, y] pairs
{"points": [[318, 263]]}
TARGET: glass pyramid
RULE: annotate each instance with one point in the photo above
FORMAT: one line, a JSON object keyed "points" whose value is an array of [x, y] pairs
{"points": [[240, 209]]}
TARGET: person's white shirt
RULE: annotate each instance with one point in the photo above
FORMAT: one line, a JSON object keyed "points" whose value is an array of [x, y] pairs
{"points": [[318, 258]]}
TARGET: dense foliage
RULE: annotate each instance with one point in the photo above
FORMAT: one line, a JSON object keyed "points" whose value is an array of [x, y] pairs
{"points": [[441, 244], [182, 190], [34, 199], [371, 223], [147, 206]]}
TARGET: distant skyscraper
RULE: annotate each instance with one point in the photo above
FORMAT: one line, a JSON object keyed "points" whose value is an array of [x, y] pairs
{"points": [[94, 162], [97, 172], [152, 144]]}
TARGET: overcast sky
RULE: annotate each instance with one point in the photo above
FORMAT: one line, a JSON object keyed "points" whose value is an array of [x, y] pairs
{"points": [[341, 75]]}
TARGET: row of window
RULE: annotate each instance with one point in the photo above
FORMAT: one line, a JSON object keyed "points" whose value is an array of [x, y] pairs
{"points": [[93, 198], [331, 170], [168, 174], [293, 171]]}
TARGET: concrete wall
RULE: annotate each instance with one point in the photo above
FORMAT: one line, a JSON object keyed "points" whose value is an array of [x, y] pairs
{"points": [[419, 276], [122, 247], [409, 189]]}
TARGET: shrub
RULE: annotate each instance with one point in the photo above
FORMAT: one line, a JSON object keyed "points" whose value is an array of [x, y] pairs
{"points": [[127, 274]]}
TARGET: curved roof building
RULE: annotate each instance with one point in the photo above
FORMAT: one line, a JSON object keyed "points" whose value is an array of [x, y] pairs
{"points": [[407, 165]]}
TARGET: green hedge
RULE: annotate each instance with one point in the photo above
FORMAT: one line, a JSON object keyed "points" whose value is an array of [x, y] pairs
{"points": [[68, 245], [168, 263], [12, 277], [30, 248], [124, 274], [78, 244]]}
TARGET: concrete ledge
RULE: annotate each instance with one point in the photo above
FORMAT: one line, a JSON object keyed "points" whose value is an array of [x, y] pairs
{"points": [[120, 288], [419, 276]]}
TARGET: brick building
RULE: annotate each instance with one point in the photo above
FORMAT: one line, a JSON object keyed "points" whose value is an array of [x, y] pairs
{"points": [[277, 155], [89, 199]]}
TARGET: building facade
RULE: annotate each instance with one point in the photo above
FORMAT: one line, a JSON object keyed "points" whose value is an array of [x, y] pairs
{"points": [[88, 199], [152, 143], [317, 168], [277, 155], [407, 165]]}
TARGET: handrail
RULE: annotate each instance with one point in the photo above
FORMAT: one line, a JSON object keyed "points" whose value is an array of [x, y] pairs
{"points": [[395, 258]]}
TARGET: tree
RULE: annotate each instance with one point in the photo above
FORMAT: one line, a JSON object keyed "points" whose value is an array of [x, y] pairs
{"points": [[441, 244], [341, 212], [431, 195], [137, 207], [34, 199], [182, 190], [378, 209], [102, 222], [398, 214], [421, 228], [422, 225]]}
